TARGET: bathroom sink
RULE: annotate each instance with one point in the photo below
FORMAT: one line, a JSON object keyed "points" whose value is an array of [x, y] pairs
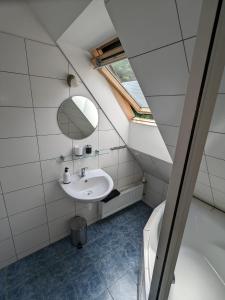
{"points": [[94, 186]]}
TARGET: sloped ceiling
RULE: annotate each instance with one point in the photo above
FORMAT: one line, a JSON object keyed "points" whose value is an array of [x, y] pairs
{"points": [[57, 15], [91, 28], [17, 18], [159, 38]]}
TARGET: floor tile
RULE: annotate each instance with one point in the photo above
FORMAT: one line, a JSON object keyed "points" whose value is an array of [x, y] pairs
{"points": [[106, 268], [124, 289]]}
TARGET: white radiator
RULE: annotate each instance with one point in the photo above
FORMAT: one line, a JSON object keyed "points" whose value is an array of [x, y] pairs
{"points": [[127, 197]]}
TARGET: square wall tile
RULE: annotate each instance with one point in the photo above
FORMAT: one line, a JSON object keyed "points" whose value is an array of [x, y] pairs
{"points": [[12, 54], [218, 121], [215, 145], [159, 24], [92, 140], [124, 182], [109, 159], [22, 125], [204, 192], [90, 163], [163, 71], [7, 250], [60, 228], [18, 151], [219, 199], [2, 208], [60, 208], [46, 121], [113, 172], [53, 169], [189, 48], [31, 239], [108, 139], [203, 166], [218, 183], [24, 199], [167, 110], [46, 60], [104, 123], [19, 177], [153, 199], [125, 155], [27, 220], [5, 232], [137, 168], [189, 13], [15, 90], [53, 191], [48, 92], [33, 249], [216, 166], [125, 169], [203, 178], [155, 184], [52, 146], [169, 134], [162, 169], [154, 191]]}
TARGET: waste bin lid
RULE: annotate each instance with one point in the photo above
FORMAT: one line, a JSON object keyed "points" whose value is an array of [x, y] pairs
{"points": [[77, 223]]}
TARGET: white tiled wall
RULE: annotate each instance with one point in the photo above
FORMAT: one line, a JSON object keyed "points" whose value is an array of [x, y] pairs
{"points": [[162, 60], [34, 211], [155, 190]]}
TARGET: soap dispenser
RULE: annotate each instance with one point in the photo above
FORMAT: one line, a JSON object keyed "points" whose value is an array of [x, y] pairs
{"points": [[66, 176]]}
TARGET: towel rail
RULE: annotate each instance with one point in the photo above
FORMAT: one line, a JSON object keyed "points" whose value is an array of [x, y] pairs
{"points": [[118, 147]]}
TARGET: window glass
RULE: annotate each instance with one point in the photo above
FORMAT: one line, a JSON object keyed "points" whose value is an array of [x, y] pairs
{"points": [[123, 72]]}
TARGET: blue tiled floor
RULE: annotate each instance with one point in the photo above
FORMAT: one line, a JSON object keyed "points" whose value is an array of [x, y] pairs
{"points": [[105, 269]]}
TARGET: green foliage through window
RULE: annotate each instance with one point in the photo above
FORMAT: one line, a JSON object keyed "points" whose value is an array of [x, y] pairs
{"points": [[122, 70]]}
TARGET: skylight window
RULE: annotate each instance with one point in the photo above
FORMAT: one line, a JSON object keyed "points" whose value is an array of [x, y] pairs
{"points": [[110, 59], [123, 72]]}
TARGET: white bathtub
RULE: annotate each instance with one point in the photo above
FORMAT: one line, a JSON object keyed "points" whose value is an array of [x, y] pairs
{"points": [[200, 269]]}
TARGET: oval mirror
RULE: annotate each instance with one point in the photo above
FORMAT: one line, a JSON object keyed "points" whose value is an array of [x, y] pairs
{"points": [[77, 117]]}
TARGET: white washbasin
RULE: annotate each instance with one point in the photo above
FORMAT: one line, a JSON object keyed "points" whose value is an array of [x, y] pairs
{"points": [[94, 186]]}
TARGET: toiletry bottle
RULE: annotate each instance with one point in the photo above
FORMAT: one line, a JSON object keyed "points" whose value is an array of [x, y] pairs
{"points": [[88, 149], [66, 176]]}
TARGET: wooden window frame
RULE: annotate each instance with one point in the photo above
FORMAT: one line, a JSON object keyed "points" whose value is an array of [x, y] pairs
{"points": [[126, 101], [118, 86]]}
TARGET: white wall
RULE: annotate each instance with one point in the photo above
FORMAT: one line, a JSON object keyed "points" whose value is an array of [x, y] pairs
{"points": [[91, 28], [155, 190], [16, 18], [33, 209], [160, 51], [98, 86], [149, 149], [57, 15], [148, 140]]}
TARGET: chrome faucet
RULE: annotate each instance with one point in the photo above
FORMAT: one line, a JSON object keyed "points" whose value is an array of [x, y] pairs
{"points": [[83, 171]]}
